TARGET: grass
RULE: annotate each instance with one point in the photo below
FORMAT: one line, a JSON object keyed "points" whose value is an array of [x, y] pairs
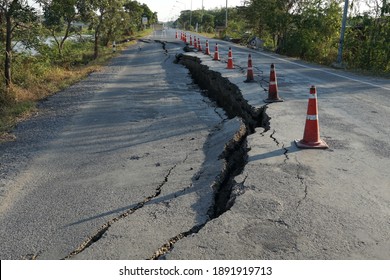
{"points": [[35, 79]]}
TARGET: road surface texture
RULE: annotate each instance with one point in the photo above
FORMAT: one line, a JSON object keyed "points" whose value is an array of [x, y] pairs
{"points": [[305, 204], [136, 134], [137, 163]]}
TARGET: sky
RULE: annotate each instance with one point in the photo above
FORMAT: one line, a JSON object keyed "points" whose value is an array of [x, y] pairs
{"points": [[168, 9]]}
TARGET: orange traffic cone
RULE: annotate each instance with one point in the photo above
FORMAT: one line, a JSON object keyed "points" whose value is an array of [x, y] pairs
{"points": [[207, 51], [199, 45], [190, 40], [249, 73], [230, 64], [273, 87], [216, 53], [185, 38], [176, 35], [311, 136]]}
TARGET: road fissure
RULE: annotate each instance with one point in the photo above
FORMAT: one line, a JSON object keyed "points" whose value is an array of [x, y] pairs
{"points": [[228, 97], [98, 235]]}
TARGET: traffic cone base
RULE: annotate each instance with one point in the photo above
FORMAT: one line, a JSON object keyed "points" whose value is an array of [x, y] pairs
{"points": [[312, 145], [272, 100]]}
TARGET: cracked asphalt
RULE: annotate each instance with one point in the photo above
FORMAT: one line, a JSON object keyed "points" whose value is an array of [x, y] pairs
{"points": [[143, 146], [133, 161], [305, 204]]}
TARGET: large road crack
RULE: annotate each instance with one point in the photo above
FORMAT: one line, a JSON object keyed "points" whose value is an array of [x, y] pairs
{"points": [[234, 156], [98, 235], [228, 97]]}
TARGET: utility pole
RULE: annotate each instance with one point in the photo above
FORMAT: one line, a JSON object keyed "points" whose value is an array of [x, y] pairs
{"points": [[191, 15], [201, 19], [226, 15], [342, 34]]}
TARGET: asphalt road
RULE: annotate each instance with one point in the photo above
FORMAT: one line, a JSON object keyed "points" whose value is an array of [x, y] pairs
{"points": [[138, 131], [306, 204], [122, 164]]}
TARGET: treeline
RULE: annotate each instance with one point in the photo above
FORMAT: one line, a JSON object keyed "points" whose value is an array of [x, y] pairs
{"points": [[308, 29], [31, 24], [367, 43], [205, 20]]}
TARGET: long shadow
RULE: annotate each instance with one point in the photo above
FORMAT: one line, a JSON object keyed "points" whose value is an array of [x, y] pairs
{"points": [[201, 182], [275, 153]]}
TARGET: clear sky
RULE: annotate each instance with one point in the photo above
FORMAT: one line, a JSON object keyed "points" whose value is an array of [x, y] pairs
{"points": [[168, 9]]}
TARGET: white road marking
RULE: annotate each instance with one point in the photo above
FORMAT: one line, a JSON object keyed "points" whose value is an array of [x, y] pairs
{"points": [[328, 72]]}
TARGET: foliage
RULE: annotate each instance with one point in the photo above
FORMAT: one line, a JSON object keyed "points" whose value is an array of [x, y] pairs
{"points": [[209, 20], [313, 33], [367, 44], [17, 19], [58, 18]]}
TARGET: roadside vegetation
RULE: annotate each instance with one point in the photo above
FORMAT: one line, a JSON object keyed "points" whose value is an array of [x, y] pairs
{"points": [[55, 43], [306, 29]]}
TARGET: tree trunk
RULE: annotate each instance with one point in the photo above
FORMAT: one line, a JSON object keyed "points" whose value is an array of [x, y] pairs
{"points": [[66, 35], [108, 37], [53, 33], [8, 52], [96, 49], [97, 36]]}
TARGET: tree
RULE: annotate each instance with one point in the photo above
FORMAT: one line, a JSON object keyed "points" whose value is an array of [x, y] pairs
{"points": [[16, 15], [94, 12], [367, 44], [184, 19], [208, 22], [113, 23], [108, 18], [271, 18], [57, 15], [152, 17], [314, 31], [134, 12]]}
